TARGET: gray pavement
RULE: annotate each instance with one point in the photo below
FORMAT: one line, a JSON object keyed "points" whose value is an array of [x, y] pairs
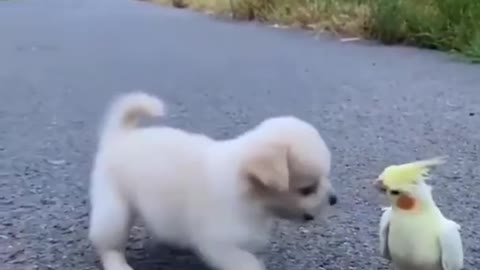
{"points": [[61, 61]]}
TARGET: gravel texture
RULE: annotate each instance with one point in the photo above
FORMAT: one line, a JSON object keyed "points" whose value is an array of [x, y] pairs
{"points": [[61, 61]]}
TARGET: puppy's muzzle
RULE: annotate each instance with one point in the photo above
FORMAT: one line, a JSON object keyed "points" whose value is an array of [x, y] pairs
{"points": [[332, 200]]}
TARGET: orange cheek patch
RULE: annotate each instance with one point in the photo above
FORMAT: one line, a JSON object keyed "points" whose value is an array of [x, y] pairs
{"points": [[405, 202]]}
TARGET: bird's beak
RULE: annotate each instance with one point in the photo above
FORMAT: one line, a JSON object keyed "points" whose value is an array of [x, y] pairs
{"points": [[378, 184]]}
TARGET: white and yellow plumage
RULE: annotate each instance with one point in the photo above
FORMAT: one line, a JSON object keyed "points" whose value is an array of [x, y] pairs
{"points": [[414, 234]]}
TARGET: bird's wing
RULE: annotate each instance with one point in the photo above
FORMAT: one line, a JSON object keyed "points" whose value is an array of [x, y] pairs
{"points": [[451, 246], [383, 232]]}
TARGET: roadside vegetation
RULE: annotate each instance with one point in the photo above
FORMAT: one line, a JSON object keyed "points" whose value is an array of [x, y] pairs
{"points": [[449, 25]]}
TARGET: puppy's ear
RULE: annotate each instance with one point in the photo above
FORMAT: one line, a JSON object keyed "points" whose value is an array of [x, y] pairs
{"points": [[267, 166]]}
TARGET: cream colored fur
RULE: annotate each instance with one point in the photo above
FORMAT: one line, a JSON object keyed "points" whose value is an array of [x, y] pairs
{"points": [[217, 197]]}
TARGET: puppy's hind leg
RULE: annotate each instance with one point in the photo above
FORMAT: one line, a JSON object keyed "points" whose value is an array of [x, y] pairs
{"points": [[110, 223]]}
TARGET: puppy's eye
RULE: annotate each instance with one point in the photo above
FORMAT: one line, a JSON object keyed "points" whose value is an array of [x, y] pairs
{"points": [[394, 192], [305, 191]]}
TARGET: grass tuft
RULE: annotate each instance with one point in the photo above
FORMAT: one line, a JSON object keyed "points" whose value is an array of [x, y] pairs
{"points": [[449, 25]]}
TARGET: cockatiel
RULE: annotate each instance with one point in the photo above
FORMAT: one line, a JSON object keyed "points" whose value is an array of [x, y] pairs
{"points": [[414, 234]]}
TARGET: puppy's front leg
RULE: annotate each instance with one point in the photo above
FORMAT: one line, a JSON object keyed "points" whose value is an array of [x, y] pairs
{"points": [[223, 257]]}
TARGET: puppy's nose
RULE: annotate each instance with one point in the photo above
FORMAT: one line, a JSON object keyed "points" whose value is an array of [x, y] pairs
{"points": [[308, 217], [332, 199]]}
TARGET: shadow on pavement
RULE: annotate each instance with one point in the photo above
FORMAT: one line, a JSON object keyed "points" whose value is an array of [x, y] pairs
{"points": [[161, 257]]}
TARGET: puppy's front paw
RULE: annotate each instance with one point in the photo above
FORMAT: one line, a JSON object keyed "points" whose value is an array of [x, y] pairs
{"points": [[230, 258], [116, 266], [121, 267], [114, 260], [249, 263]]}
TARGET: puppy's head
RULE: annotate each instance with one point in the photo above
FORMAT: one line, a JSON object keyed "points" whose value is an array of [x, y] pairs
{"points": [[287, 167]]}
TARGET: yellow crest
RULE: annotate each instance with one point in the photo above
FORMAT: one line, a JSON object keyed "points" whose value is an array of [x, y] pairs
{"points": [[397, 176]]}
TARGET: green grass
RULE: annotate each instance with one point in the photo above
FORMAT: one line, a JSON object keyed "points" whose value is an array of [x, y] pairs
{"points": [[448, 25]]}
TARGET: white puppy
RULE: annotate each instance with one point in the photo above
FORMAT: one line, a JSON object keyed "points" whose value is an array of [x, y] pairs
{"points": [[216, 197]]}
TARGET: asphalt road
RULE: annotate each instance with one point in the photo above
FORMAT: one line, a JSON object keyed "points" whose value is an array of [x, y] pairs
{"points": [[61, 61]]}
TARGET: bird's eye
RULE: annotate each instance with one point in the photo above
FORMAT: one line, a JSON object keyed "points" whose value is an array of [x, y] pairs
{"points": [[305, 191], [394, 192], [382, 189]]}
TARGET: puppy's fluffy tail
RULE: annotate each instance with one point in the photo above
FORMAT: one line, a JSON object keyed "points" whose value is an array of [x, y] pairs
{"points": [[127, 109]]}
